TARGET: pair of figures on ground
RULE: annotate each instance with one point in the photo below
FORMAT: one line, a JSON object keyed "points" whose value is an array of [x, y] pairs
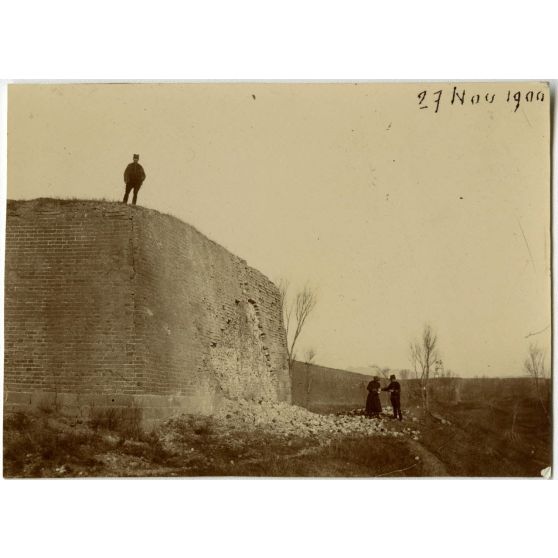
{"points": [[373, 403]]}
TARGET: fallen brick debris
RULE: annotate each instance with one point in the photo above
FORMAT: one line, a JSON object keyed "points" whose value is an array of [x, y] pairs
{"points": [[286, 420]]}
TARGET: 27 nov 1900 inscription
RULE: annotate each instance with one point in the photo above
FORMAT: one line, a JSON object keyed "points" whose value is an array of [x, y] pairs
{"points": [[435, 100]]}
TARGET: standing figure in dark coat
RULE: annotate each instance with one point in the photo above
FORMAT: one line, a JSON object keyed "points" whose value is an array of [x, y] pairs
{"points": [[394, 389], [134, 175], [373, 404]]}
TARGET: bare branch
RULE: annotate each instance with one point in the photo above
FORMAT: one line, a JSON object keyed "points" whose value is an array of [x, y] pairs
{"points": [[423, 355], [295, 314], [304, 304], [309, 355], [534, 366], [285, 309], [537, 332]]}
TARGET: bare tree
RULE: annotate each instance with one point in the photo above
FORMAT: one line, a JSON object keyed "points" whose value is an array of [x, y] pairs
{"points": [[535, 367], [424, 354], [404, 374], [385, 372], [382, 371], [295, 314], [309, 355]]}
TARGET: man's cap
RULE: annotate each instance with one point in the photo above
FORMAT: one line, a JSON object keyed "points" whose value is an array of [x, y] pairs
{"points": [[392, 377], [376, 378], [136, 156]]}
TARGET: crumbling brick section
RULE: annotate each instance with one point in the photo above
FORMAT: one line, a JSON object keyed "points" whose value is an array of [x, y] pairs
{"points": [[112, 304]]}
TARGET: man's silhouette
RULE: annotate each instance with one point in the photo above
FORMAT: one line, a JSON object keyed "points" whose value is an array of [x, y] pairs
{"points": [[394, 389], [134, 175]]}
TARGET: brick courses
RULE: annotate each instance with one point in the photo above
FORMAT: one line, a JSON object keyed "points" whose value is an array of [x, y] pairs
{"points": [[103, 299]]}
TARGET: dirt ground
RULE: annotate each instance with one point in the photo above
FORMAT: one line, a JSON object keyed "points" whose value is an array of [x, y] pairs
{"points": [[270, 440]]}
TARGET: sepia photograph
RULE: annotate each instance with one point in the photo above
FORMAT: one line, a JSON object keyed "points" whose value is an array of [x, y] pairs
{"points": [[278, 279]]}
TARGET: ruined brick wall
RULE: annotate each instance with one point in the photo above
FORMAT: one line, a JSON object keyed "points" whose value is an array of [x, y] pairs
{"points": [[109, 303]]}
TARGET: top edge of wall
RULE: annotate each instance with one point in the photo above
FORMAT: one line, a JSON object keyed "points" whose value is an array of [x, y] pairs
{"points": [[53, 206]]}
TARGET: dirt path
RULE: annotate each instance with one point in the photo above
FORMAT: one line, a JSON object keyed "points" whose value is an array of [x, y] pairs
{"points": [[432, 466]]}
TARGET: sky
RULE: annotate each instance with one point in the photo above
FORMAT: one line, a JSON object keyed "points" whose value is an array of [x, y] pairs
{"points": [[398, 210]]}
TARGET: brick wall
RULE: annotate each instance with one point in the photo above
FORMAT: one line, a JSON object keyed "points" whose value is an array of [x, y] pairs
{"points": [[324, 389], [105, 300]]}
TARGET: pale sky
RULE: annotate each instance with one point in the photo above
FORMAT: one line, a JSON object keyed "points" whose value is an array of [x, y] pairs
{"points": [[396, 215]]}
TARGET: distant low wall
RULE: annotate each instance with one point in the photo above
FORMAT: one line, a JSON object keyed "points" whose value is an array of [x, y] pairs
{"points": [[323, 389], [458, 390]]}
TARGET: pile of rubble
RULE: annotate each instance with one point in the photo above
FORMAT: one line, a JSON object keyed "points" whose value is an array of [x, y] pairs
{"points": [[289, 420]]}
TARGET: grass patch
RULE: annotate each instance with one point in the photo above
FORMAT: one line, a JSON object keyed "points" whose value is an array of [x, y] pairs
{"points": [[491, 439], [37, 446], [126, 421]]}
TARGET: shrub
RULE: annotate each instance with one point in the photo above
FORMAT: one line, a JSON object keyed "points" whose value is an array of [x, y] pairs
{"points": [[16, 421], [126, 421]]}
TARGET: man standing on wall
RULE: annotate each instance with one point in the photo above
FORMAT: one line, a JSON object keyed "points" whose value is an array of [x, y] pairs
{"points": [[134, 175], [394, 389]]}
